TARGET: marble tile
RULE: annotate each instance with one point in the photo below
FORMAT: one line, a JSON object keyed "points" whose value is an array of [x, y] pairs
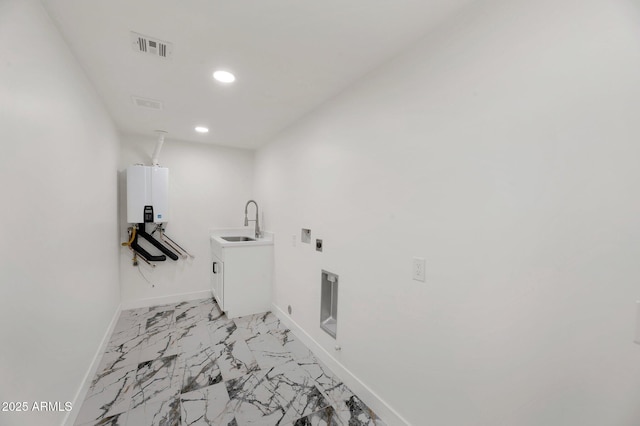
{"points": [[205, 300], [210, 311], [126, 333], [127, 327], [290, 343], [155, 380], [124, 355], [277, 396], [158, 320], [293, 386], [160, 308], [187, 314], [109, 394], [194, 339], [165, 412], [159, 344], [188, 364], [268, 351], [200, 370], [339, 396], [207, 406], [310, 399], [126, 321], [186, 328], [225, 331], [325, 417], [186, 305], [322, 375], [258, 323], [234, 359], [351, 410], [137, 312], [252, 399], [115, 420]]}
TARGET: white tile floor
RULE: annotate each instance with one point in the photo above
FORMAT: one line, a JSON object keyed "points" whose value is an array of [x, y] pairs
{"points": [[188, 364]]}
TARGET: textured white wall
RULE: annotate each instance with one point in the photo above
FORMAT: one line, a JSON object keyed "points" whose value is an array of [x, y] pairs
{"points": [[504, 150], [59, 284], [208, 188]]}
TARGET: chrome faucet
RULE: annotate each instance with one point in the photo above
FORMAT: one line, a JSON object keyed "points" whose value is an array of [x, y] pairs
{"points": [[246, 219]]}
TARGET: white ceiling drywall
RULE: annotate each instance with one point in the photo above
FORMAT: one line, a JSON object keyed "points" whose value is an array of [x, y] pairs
{"points": [[288, 56]]}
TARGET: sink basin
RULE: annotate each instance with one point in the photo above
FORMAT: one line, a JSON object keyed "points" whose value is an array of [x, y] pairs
{"points": [[238, 239]]}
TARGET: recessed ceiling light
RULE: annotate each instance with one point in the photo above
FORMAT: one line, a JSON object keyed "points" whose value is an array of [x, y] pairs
{"points": [[201, 129], [224, 76]]}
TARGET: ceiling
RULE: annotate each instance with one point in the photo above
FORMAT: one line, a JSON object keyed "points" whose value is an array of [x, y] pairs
{"points": [[288, 56]]}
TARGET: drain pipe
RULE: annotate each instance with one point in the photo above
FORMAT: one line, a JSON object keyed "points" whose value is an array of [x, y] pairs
{"points": [[156, 152]]}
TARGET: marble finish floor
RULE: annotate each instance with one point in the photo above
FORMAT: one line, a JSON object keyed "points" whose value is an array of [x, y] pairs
{"points": [[188, 364]]}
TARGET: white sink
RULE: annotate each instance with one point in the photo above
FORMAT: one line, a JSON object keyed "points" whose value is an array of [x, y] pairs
{"points": [[238, 237]]}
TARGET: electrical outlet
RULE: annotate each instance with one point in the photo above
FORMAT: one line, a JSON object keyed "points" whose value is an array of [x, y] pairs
{"points": [[418, 269]]}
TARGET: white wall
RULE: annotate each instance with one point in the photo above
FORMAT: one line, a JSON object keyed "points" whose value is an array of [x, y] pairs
{"points": [[58, 248], [208, 188], [503, 149]]}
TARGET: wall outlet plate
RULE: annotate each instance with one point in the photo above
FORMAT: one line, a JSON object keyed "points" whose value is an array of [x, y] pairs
{"points": [[318, 245], [418, 269], [305, 236]]}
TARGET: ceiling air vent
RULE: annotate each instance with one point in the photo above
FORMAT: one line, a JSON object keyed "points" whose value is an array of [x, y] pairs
{"points": [[147, 103], [152, 46]]}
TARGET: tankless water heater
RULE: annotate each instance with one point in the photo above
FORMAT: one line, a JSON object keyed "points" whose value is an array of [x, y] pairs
{"points": [[147, 194]]}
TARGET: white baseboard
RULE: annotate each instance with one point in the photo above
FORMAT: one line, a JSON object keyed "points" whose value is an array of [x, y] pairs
{"points": [[70, 417], [369, 397], [175, 298]]}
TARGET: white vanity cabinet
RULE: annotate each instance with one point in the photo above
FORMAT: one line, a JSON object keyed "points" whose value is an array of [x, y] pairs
{"points": [[241, 272]]}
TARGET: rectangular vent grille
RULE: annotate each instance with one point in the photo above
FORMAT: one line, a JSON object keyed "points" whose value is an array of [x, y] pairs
{"points": [[142, 44], [147, 103], [149, 45]]}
